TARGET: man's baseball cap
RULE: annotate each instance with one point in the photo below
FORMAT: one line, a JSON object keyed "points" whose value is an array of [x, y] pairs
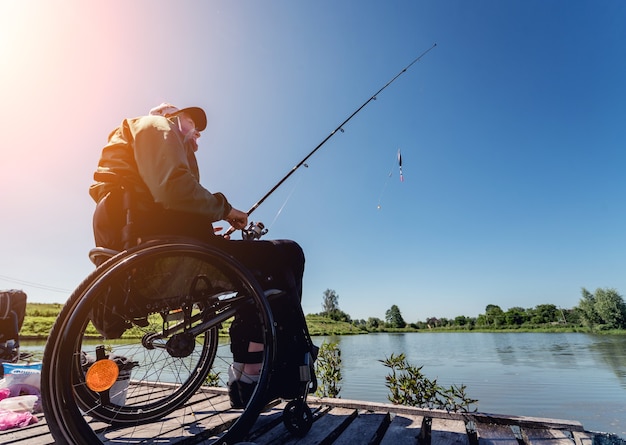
{"points": [[196, 113]]}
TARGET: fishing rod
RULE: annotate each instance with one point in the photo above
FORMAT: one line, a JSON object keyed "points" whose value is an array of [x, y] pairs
{"points": [[255, 231]]}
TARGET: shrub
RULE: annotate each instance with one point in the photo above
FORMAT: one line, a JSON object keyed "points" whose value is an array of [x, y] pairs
{"points": [[328, 370], [408, 386]]}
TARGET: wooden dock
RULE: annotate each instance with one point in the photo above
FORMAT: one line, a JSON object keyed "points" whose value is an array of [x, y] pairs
{"points": [[343, 422]]}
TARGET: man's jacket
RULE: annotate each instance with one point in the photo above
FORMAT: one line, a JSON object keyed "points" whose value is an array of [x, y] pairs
{"points": [[149, 152]]}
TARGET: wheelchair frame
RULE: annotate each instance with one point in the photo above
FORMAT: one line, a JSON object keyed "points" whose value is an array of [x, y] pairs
{"points": [[176, 298]]}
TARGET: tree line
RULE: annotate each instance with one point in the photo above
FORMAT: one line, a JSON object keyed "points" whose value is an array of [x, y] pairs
{"points": [[603, 309]]}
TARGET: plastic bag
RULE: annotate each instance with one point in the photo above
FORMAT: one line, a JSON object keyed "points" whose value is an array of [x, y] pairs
{"points": [[19, 404], [22, 378], [23, 383], [10, 419]]}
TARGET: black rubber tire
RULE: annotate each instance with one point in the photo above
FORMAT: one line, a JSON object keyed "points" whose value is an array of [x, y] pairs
{"points": [[76, 415], [297, 418]]}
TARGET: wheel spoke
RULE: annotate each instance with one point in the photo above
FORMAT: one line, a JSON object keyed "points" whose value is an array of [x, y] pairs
{"points": [[173, 303]]}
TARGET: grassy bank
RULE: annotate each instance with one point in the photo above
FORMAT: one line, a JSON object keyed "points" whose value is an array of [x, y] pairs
{"points": [[41, 316]]}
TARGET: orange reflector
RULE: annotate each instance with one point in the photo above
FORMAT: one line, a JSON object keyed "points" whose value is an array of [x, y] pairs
{"points": [[102, 375]]}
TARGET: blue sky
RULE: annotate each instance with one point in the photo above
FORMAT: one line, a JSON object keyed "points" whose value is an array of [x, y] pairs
{"points": [[511, 130]]}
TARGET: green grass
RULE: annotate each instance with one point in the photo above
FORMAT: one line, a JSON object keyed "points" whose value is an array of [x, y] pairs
{"points": [[41, 316], [319, 325]]}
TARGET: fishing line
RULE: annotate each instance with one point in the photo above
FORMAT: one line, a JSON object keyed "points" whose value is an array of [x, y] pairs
{"points": [[284, 203], [386, 182], [332, 133]]}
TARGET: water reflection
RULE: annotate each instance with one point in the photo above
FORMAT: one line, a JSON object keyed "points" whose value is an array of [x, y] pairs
{"points": [[563, 376], [612, 351], [547, 350]]}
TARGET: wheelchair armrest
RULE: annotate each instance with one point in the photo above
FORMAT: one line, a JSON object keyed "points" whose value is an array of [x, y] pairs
{"points": [[102, 176], [99, 255], [109, 177]]}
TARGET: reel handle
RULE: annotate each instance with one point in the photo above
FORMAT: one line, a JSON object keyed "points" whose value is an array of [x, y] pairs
{"points": [[252, 232]]}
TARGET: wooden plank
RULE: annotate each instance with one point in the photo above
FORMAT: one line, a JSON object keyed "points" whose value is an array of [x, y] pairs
{"points": [[340, 421], [583, 438], [35, 434], [449, 432], [403, 429], [541, 436], [269, 418], [275, 436], [388, 407], [530, 422], [571, 425], [366, 428], [494, 434], [328, 428], [323, 427], [268, 424], [210, 416]]}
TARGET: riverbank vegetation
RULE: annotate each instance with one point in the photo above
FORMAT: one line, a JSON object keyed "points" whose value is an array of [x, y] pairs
{"points": [[602, 311], [407, 384]]}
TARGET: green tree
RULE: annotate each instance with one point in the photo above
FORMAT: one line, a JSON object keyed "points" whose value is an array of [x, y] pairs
{"points": [[374, 323], [331, 302], [544, 313], [330, 306], [482, 320], [494, 315], [393, 317], [516, 316], [361, 324], [433, 322], [587, 308], [573, 316], [610, 307], [461, 320], [605, 307]]}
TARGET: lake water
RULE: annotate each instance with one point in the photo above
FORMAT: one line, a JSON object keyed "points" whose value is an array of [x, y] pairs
{"points": [[558, 375]]}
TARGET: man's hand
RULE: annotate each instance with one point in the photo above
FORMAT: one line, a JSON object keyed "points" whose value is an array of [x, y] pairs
{"points": [[237, 219]]}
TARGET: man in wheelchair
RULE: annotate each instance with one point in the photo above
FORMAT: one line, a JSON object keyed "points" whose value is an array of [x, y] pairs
{"points": [[154, 155]]}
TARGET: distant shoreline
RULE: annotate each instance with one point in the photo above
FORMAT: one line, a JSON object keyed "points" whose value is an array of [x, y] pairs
{"points": [[42, 337], [40, 318]]}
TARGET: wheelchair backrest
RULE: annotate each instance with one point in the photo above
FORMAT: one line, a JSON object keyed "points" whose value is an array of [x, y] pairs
{"points": [[127, 205], [12, 313]]}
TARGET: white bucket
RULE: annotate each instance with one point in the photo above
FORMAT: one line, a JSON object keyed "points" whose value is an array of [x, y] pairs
{"points": [[117, 393]]}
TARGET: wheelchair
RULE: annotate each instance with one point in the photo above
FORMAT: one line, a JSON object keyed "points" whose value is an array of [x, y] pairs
{"points": [[161, 362], [12, 312]]}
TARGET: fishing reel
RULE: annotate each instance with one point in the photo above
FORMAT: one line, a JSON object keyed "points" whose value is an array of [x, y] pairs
{"points": [[254, 231]]}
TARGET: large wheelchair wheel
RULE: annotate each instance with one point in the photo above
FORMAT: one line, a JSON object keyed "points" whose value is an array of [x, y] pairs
{"points": [[164, 310]]}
